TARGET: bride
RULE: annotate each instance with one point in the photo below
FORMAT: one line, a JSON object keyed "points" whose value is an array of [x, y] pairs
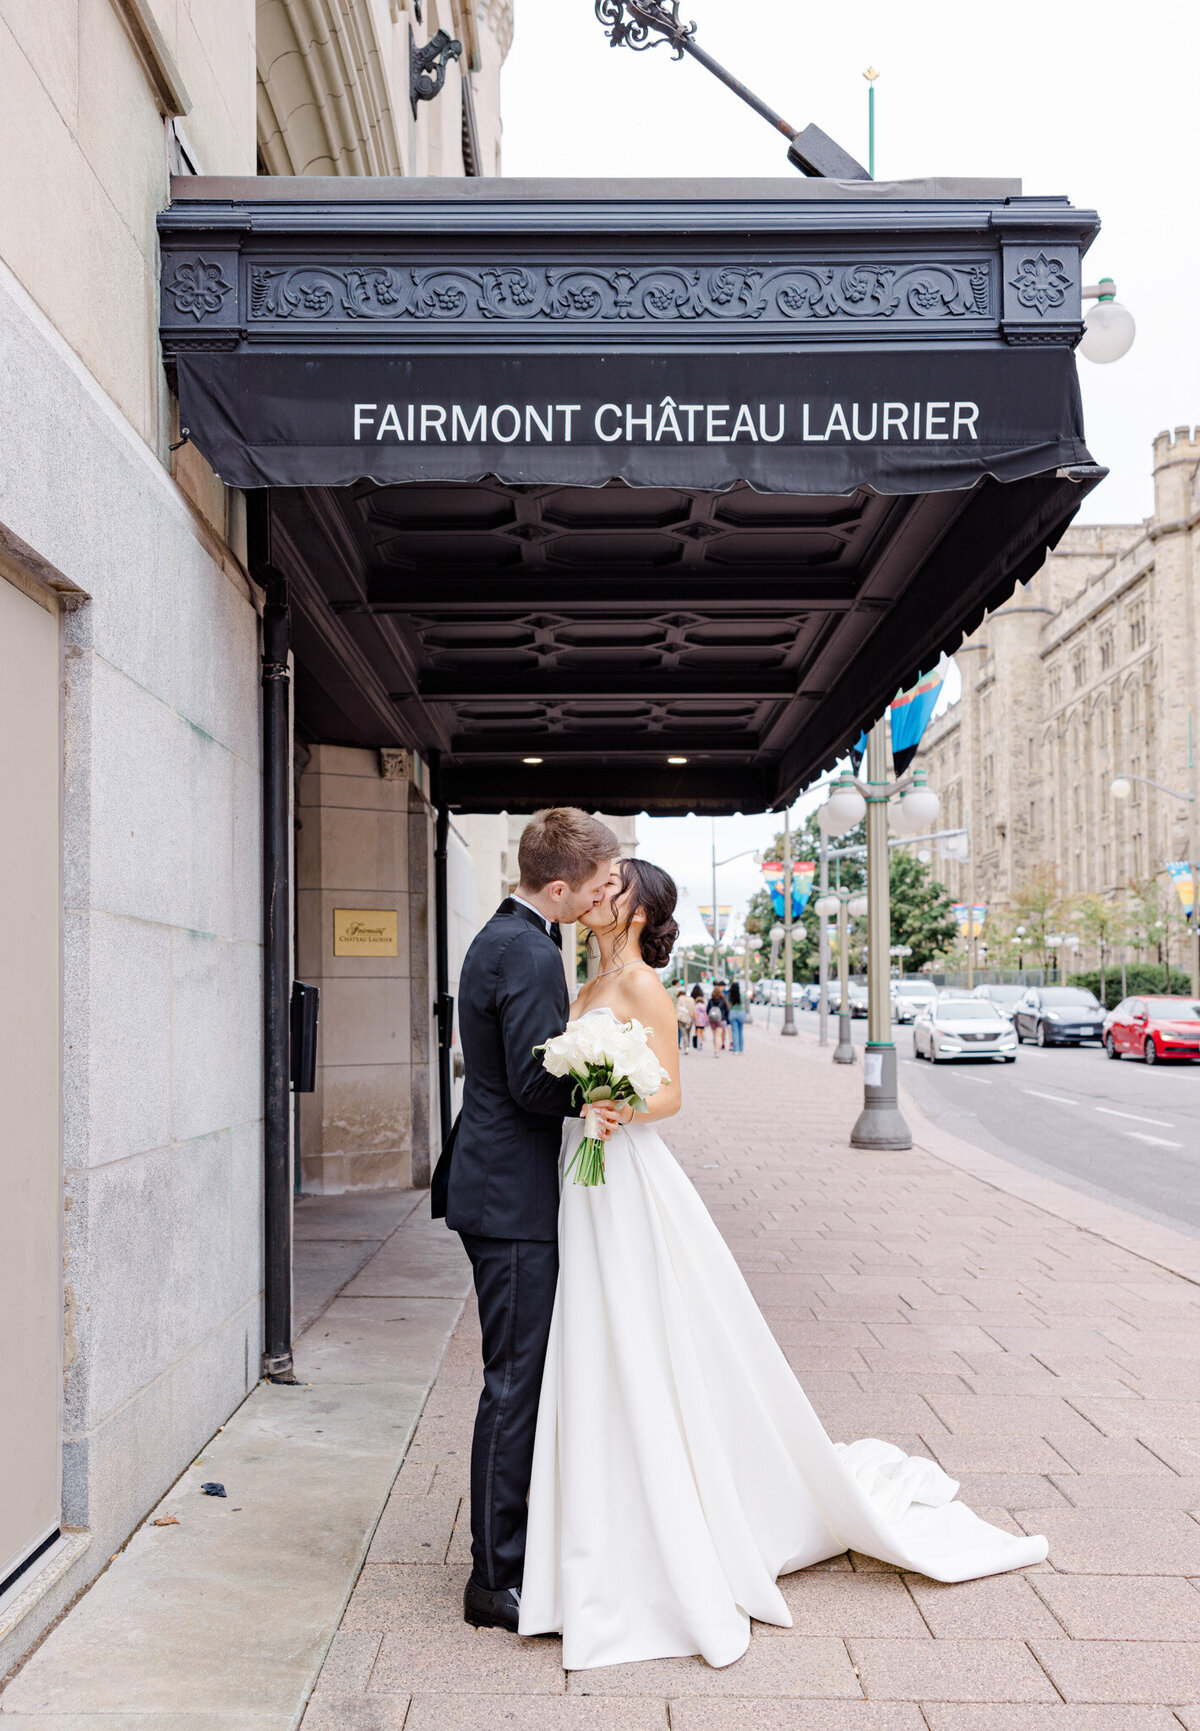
{"points": [[678, 1468]]}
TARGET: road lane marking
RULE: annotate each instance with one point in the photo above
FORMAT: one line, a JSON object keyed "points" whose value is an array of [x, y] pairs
{"points": [[986, 1082], [1155, 1141], [1059, 1099], [1135, 1117]]}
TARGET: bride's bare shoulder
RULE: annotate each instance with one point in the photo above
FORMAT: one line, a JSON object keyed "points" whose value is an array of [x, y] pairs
{"points": [[644, 991]]}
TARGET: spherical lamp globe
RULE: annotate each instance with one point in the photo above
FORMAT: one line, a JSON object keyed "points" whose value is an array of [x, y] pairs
{"points": [[777, 934], [856, 907], [921, 805], [1108, 332], [1122, 788], [845, 805], [899, 817], [826, 907]]}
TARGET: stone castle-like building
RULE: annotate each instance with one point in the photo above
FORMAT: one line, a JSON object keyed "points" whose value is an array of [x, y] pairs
{"points": [[1088, 673]]}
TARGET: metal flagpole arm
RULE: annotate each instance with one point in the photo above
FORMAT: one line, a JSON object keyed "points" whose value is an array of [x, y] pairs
{"points": [[642, 24]]}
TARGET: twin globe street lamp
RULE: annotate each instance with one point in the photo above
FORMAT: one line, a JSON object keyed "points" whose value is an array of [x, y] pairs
{"points": [[913, 807]]}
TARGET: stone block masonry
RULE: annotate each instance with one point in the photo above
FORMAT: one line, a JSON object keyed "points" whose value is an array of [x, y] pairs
{"points": [[363, 842]]}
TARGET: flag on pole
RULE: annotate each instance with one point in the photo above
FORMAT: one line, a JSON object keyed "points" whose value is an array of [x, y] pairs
{"points": [[723, 912], [1181, 877], [910, 712], [962, 913], [802, 881]]}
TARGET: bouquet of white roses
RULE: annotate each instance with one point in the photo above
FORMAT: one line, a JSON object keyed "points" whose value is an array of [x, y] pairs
{"points": [[609, 1060]]}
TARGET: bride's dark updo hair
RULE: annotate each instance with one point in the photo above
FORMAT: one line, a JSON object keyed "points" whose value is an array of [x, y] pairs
{"points": [[652, 891]]}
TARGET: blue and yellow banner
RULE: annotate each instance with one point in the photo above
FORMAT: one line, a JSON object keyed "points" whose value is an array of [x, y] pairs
{"points": [[1181, 877], [910, 713], [962, 913], [802, 882]]}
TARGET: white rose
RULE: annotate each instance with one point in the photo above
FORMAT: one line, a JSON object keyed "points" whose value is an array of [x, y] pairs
{"points": [[558, 1054], [588, 1040], [647, 1075]]}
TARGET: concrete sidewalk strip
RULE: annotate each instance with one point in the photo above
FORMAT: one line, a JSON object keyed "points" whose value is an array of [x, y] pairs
{"points": [[221, 1622], [937, 1298]]}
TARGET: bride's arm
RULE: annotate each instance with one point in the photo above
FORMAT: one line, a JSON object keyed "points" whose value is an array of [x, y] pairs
{"points": [[648, 1000]]}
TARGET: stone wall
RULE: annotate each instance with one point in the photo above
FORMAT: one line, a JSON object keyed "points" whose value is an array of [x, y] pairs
{"points": [[365, 842], [1089, 672], [161, 962]]}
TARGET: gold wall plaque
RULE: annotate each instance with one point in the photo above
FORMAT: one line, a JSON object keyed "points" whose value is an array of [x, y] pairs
{"points": [[364, 932]]}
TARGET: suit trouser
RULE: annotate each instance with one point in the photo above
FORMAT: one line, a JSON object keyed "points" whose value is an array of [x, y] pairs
{"points": [[515, 1279]]}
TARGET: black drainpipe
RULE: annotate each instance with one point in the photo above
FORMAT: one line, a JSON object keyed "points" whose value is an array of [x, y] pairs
{"points": [[443, 1008], [277, 962]]}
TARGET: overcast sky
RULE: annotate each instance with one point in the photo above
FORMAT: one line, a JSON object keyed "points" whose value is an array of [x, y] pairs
{"points": [[1094, 101]]}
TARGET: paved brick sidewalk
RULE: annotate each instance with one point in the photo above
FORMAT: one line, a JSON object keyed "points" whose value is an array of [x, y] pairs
{"points": [[1055, 1374]]}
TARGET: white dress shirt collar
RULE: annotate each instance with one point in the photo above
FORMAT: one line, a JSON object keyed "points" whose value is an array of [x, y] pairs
{"points": [[541, 916]]}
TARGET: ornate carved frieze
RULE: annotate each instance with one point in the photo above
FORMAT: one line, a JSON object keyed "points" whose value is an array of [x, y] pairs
{"points": [[725, 294], [1041, 283], [196, 287]]}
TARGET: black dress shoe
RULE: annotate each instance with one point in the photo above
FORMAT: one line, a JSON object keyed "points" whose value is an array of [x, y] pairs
{"points": [[486, 1609]]}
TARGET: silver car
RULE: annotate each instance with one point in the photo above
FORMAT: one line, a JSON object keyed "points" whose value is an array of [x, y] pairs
{"points": [[963, 1028]]}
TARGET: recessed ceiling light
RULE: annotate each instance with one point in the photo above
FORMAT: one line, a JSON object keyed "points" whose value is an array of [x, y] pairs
{"points": [[531, 760], [677, 760]]}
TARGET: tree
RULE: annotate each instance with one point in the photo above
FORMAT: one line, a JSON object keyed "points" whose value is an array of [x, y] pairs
{"points": [[1105, 924], [1039, 906], [922, 914], [761, 915]]}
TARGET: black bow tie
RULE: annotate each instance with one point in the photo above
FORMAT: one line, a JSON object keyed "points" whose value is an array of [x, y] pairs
{"points": [[556, 935]]}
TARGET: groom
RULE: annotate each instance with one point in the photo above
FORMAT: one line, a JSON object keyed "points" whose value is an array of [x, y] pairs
{"points": [[497, 1180]]}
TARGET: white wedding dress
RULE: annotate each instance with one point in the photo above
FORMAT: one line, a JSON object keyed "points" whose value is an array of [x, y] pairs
{"points": [[678, 1467]]}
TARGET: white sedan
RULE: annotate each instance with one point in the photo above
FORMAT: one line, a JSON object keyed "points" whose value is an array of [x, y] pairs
{"points": [[963, 1028]]}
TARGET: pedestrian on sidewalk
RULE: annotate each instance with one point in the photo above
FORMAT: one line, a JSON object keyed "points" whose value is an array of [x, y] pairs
{"points": [[737, 1018], [699, 1017], [718, 1017], [685, 1019]]}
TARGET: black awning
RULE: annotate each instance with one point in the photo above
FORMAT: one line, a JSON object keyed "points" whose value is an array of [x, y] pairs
{"points": [[897, 421], [571, 480]]}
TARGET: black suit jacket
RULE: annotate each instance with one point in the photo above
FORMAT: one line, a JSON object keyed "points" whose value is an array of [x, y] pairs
{"points": [[502, 1178]]}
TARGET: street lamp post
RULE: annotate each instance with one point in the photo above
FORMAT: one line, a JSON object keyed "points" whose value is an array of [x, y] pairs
{"points": [[789, 1009], [844, 905], [823, 946], [1122, 788], [880, 1124]]}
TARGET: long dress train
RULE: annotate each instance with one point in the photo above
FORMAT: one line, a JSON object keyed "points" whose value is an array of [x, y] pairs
{"points": [[679, 1467]]}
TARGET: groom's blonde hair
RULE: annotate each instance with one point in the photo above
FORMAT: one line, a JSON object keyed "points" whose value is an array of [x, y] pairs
{"points": [[563, 844]]}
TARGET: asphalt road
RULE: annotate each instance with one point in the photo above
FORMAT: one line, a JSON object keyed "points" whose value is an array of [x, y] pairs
{"points": [[1119, 1131]]}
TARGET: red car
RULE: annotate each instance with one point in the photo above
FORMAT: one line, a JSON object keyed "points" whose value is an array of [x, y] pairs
{"points": [[1154, 1028]]}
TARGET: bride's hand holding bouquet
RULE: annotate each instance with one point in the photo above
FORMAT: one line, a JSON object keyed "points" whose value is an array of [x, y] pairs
{"points": [[613, 1066]]}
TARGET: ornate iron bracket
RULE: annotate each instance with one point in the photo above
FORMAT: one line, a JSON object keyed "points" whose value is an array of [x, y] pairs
{"points": [[653, 21], [427, 66], [644, 16]]}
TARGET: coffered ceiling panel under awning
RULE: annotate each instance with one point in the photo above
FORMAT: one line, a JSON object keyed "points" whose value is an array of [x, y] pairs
{"points": [[609, 474]]}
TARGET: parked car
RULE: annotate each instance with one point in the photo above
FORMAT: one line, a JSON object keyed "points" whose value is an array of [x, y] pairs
{"points": [[1005, 998], [1058, 1016], [1153, 1029], [963, 1028], [910, 997], [859, 999], [834, 992]]}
